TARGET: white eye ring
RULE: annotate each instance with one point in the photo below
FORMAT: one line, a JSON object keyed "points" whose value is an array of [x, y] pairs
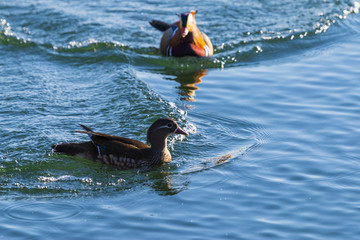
{"points": [[170, 125]]}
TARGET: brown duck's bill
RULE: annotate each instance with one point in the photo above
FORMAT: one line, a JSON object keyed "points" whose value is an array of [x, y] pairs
{"points": [[180, 131]]}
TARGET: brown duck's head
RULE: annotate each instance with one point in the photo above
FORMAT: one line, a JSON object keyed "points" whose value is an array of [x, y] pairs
{"points": [[161, 129], [187, 22]]}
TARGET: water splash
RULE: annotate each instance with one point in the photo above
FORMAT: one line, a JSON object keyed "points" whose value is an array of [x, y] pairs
{"points": [[65, 178], [8, 36]]}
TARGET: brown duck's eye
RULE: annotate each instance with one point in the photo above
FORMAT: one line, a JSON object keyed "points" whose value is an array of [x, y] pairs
{"points": [[169, 125]]}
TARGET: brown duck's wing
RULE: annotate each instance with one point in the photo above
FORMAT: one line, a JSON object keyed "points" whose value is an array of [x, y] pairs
{"points": [[84, 150], [121, 155], [120, 149], [112, 152], [119, 152], [101, 139]]}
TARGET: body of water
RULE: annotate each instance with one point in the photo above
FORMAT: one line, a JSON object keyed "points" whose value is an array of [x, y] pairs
{"points": [[273, 118]]}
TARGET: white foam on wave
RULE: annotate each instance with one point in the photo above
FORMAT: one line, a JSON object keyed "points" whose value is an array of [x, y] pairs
{"points": [[6, 27], [80, 44], [64, 178]]}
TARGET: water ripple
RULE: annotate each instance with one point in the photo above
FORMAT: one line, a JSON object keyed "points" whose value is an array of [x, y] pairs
{"points": [[305, 168], [42, 211]]}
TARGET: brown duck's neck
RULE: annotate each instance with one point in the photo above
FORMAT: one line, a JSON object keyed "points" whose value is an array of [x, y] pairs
{"points": [[160, 152]]}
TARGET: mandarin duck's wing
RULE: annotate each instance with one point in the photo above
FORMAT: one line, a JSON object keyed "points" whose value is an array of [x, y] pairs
{"points": [[160, 25], [163, 26], [210, 49]]}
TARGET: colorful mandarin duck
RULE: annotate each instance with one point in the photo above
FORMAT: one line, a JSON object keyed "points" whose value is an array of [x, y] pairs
{"points": [[183, 38], [125, 153]]}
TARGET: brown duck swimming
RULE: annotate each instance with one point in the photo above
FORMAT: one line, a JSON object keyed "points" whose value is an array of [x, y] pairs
{"points": [[125, 153], [183, 38]]}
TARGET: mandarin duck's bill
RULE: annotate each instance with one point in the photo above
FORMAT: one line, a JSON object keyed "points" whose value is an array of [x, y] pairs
{"points": [[183, 38], [125, 153]]}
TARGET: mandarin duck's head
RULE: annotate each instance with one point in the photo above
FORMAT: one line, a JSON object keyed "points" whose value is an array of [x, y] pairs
{"points": [[187, 21]]}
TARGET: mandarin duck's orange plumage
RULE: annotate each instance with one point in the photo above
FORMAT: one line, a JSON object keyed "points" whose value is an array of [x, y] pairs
{"points": [[183, 38]]}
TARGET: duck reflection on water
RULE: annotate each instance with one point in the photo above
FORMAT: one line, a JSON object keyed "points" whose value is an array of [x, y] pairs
{"points": [[188, 79]]}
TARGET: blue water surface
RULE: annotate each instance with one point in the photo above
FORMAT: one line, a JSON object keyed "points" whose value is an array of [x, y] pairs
{"points": [[273, 119]]}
